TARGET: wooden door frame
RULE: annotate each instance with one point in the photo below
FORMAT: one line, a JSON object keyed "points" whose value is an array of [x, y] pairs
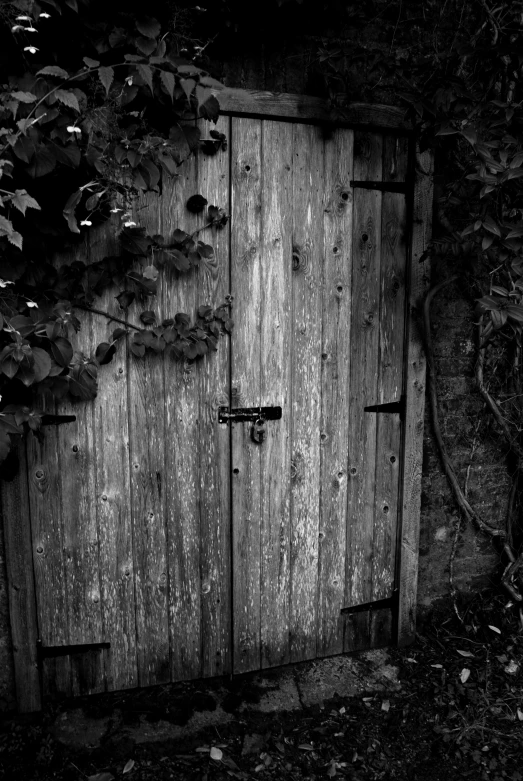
{"points": [[15, 495]]}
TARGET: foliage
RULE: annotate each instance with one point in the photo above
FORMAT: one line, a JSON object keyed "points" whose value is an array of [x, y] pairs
{"points": [[84, 130]]}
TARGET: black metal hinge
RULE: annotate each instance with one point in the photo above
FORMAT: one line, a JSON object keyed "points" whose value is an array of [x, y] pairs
{"points": [[378, 604], [56, 420], [249, 414], [388, 187], [50, 651], [391, 406]]}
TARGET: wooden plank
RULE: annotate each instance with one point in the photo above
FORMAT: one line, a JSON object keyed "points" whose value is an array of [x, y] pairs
{"points": [[381, 623], [48, 544], [307, 256], [364, 368], [305, 107], [76, 490], [246, 260], [390, 366], [147, 474], [214, 449], [21, 587], [411, 467], [113, 498], [335, 354], [357, 631], [181, 484], [275, 387]]}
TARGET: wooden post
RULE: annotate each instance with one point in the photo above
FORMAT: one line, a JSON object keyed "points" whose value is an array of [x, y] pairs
{"points": [[21, 590]]}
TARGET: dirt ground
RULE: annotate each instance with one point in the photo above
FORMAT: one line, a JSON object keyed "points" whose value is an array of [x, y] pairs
{"points": [[454, 712]]}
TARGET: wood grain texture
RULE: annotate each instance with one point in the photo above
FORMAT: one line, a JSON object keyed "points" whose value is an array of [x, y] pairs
{"points": [[411, 466], [147, 449], [307, 254], [390, 367], [364, 368], [181, 479], [112, 500], [214, 450], [305, 107], [335, 373], [246, 260], [21, 587], [275, 388]]}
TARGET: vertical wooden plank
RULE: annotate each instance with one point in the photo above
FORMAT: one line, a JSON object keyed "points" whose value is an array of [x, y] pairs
{"points": [[275, 389], [147, 443], [307, 199], [246, 261], [335, 374], [21, 587], [364, 368], [112, 497], [182, 447], [391, 369], [411, 466], [214, 450], [357, 631], [76, 487], [48, 544], [381, 623]]}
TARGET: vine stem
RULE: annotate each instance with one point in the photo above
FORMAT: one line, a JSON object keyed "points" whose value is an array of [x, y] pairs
{"points": [[108, 316], [447, 464]]}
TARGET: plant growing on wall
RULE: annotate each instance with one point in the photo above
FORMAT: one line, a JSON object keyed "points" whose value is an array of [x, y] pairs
{"points": [[84, 129]]}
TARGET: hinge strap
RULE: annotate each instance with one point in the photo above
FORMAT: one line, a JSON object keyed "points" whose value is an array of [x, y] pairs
{"points": [[389, 187]]}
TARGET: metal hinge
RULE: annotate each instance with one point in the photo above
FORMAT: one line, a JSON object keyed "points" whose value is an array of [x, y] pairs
{"points": [[249, 414], [56, 420], [378, 604], [50, 651], [388, 187], [391, 406]]}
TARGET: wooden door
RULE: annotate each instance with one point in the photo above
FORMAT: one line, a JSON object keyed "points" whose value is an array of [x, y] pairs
{"points": [[169, 546]]}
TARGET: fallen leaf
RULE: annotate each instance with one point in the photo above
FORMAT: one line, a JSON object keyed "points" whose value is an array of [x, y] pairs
{"points": [[494, 629], [511, 668], [503, 658], [202, 750], [464, 653], [216, 753], [438, 666], [331, 772], [128, 766], [385, 706], [101, 777], [520, 714], [306, 747], [342, 709], [465, 675], [409, 659]]}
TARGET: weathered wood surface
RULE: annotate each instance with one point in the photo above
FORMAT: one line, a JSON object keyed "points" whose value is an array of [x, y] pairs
{"points": [[390, 367], [246, 260], [283, 105], [307, 257], [21, 588], [213, 448], [364, 368], [275, 389], [335, 374], [410, 476]]}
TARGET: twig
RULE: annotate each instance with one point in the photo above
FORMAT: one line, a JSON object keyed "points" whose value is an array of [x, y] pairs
{"points": [[107, 315]]}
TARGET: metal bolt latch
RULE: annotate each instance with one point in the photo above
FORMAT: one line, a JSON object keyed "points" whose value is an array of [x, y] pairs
{"points": [[258, 431]]}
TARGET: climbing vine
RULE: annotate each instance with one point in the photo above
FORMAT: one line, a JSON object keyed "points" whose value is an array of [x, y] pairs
{"points": [[84, 130]]}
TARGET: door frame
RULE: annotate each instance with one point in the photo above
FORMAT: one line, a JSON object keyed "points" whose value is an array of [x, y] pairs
{"points": [[286, 107]]}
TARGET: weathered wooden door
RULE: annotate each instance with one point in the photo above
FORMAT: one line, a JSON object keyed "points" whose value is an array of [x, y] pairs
{"points": [[168, 545]]}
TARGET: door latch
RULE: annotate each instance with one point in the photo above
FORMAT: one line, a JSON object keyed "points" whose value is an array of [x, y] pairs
{"points": [[248, 414], [258, 431]]}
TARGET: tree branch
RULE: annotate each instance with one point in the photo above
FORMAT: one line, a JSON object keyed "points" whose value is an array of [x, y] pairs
{"points": [[107, 315]]}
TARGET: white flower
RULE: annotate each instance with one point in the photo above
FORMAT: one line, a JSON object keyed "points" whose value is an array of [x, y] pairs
{"points": [[73, 129], [23, 19], [31, 49], [129, 224], [86, 222], [31, 304], [30, 29], [116, 209], [129, 80], [17, 27], [5, 282], [44, 16]]}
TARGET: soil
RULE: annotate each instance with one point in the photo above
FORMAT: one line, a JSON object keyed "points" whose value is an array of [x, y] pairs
{"points": [[457, 714]]}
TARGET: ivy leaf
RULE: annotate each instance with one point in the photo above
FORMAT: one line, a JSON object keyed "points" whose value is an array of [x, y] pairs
{"points": [[148, 318], [150, 172], [44, 161], [146, 73], [148, 26], [145, 45], [134, 241], [53, 70], [125, 298], [42, 364], [150, 272], [24, 97], [91, 63], [118, 333], [69, 210], [192, 134], [105, 353], [168, 82], [179, 260], [22, 200], [188, 86], [68, 98], [16, 239], [490, 225], [62, 351], [106, 75], [5, 443]]}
